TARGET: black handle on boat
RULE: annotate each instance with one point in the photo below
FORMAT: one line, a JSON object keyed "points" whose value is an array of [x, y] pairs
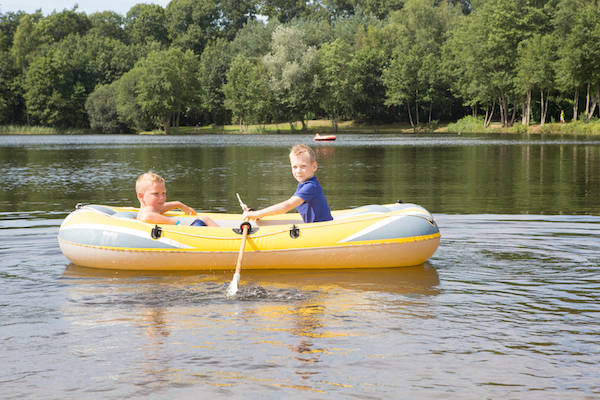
{"points": [[294, 232], [156, 232]]}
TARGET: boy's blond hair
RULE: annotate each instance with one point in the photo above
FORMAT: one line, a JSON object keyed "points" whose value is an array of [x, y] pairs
{"points": [[146, 179], [300, 149]]}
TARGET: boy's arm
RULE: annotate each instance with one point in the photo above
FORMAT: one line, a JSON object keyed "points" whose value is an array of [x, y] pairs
{"points": [[170, 205], [275, 209], [152, 217]]}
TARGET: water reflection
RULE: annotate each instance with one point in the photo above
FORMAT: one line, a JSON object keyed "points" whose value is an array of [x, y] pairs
{"points": [[186, 327], [443, 173], [422, 279]]}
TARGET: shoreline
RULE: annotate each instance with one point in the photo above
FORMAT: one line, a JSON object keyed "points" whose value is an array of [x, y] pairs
{"points": [[577, 128]]}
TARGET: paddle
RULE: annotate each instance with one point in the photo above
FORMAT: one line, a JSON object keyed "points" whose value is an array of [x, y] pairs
{"points": [[233, 286]]}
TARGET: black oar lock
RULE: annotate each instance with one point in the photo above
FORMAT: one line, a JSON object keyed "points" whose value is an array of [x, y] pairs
{"points": [[156, 232], [240, 230], [294, 232]]}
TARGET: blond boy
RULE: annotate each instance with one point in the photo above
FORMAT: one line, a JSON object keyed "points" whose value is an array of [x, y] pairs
{"points": [[152, 194], [309, 198]]}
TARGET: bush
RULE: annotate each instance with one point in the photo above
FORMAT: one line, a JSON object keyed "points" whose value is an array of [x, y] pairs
{"points": [[468, 124], [102, 110]]}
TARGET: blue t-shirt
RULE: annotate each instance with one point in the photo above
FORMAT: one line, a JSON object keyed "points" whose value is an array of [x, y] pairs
{"points": [[315, 207]]}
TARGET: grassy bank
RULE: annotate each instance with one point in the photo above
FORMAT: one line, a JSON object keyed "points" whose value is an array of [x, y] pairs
{"points": [[41, 130], [464, 125], [476, 125], [312, 127]]}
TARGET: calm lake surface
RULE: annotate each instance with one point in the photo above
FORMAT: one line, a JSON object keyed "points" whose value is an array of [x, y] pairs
{"points": [[508, 307]]}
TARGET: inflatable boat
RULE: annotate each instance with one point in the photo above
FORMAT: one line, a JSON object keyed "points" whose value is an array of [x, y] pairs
{"points": [[372, 236]]}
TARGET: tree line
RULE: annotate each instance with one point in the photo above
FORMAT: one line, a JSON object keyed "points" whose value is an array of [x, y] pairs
{"points": [[257, 62]]}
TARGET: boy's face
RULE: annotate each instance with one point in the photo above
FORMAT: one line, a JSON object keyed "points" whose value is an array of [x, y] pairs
{"points": [[155, 196], [302, 168]]}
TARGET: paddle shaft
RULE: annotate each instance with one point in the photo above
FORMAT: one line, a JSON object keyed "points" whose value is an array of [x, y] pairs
{"points": [[238, 265]]}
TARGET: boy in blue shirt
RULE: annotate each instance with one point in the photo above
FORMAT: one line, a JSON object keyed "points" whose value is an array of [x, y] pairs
{"points": [[309, 198]]}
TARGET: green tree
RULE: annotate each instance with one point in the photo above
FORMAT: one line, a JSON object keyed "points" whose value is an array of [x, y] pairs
{"points": [[536, 57], [246, 92], [25, 42], [480, 53], [101, 107], [58, 82], [108, 58], [293, 71], [58, 25], [108, 24], [253, 40], [129, 111], [146, 23], [11, 92], [212, 74], [368, 100], [8, 26], [337, 90], [166, 86], [56, 86], [577, 24], [284, 10], [192, 24], [412, 77], [234, 14]]}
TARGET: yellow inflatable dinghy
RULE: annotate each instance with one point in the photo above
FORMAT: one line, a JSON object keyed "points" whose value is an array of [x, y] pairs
{"points": [[372, 236]]}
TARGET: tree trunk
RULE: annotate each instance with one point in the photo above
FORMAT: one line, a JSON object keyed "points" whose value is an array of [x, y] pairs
{"points": [[430, 108], [489, 115], [303, 124], [410, 115], [595, 103], [587, 101], [502, 113], [524, 113], [576, 104], [417, 106], [543, 106], [513, 116], [504, 108], [527, 115]]}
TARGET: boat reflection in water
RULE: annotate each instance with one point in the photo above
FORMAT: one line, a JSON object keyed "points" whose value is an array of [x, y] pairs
{"points": [[284, 329], [421, 279]]}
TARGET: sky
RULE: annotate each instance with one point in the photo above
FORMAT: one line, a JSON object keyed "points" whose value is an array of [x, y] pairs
{"points": [[86, 6]]}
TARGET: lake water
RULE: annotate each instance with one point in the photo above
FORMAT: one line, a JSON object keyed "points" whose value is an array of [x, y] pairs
{"points": [[508, 307]]}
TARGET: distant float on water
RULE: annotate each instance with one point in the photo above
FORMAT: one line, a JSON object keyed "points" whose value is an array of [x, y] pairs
{"points": [[319, 138]]}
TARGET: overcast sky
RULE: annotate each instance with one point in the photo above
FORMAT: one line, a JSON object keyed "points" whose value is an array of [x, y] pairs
{"points": [[86, 6]]}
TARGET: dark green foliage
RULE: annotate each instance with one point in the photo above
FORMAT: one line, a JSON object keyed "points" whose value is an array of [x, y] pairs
{"points": [[368, 60], [101, 107]]}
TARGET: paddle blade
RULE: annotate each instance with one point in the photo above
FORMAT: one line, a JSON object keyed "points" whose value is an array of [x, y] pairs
{"points": [[233, 286]]}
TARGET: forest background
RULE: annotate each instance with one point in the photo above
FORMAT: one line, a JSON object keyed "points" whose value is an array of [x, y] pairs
{"points": [[216, 62]]}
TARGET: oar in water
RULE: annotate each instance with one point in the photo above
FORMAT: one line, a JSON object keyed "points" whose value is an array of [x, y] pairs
{"points": [[233, 286]]}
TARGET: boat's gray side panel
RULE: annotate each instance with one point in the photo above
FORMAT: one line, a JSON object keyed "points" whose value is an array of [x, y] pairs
{"points": [[396, 227], [110, 238]]}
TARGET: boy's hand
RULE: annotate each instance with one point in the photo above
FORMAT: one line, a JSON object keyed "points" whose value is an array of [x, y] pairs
{"points": [[187, 209], [249, 215]]}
